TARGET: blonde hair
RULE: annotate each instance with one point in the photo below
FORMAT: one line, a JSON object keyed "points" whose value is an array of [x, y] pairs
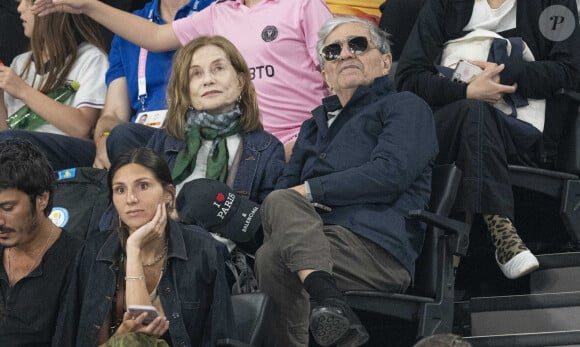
{"points": [[178, 88]]}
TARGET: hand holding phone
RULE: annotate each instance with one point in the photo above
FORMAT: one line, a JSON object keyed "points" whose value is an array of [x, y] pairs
{"points": [[137, 310], [465, 72]]}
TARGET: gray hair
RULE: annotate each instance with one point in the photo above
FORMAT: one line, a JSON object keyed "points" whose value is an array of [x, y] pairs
{"points": [[379, 37]]}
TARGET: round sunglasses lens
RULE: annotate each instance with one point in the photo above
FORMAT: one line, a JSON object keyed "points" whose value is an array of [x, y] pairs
{"points": [[358, 45], [331, 52]]}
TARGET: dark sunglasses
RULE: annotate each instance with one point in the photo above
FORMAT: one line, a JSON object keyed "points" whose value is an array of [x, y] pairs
{"points": [[356, 45]]}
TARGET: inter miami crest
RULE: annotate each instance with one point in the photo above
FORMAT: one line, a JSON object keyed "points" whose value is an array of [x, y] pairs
{"points": [[270, 33]]}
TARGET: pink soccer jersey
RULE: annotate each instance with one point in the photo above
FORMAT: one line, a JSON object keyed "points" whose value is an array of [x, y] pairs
{"points": [[278, 40]]}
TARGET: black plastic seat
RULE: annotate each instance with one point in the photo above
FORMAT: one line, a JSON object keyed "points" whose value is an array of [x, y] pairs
{"points": [[251, 315], [429, 302], [563, 183]]}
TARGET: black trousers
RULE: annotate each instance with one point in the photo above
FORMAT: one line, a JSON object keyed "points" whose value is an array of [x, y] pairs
{"points": [[474, 135]]}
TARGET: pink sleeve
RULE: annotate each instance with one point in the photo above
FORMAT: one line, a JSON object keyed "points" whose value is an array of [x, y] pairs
{"points": [[195, 25], [314, 14]]}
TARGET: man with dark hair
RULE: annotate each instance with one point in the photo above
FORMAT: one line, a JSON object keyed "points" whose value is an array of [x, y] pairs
{"points": [[38, 258]]}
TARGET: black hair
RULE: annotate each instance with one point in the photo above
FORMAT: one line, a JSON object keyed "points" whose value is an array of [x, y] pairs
{"points": [[146, 158], [24, 167]]}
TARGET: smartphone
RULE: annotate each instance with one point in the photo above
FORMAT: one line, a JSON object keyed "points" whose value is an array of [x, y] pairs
{"points": [[321, 207], [465, 72], [136, 311]]}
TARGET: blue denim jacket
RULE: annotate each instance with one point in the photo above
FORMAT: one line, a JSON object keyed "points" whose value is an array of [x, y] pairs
{"points": [[262, 161], [193, 289]]}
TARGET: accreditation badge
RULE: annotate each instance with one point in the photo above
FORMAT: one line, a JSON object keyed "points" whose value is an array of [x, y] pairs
{"points": [[154, 119]]}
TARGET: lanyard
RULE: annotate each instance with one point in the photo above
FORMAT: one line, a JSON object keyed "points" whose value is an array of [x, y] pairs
{"points": [[141, 76]]}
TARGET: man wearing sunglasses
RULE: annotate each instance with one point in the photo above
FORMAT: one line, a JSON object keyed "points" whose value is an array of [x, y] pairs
{"points": [[359, 164]]}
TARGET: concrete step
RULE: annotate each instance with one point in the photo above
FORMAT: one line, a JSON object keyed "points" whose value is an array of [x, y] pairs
{"points": [[559, 272], [549, 339], [524, 314]]}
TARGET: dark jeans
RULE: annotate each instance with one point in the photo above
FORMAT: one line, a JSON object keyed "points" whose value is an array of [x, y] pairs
{"points": [[295, 239], [476, 137], [126, 136], [62, 151]]}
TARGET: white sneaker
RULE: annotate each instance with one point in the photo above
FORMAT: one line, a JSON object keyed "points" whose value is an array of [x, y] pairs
{"points": [[521, 264]]}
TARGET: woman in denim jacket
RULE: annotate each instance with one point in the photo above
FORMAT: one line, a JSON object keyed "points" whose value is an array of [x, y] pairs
{"points": [[148, 259], [213, 127]]}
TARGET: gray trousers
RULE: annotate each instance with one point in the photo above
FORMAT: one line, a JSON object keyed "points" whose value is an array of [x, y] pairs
{"points": [[296, 239]]}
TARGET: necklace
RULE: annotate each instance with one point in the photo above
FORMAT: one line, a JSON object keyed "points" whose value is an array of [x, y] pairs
{"points": [[36, 253], [158, 257]]}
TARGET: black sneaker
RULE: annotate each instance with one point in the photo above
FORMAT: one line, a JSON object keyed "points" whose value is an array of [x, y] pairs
{"points": [[333, 322]]}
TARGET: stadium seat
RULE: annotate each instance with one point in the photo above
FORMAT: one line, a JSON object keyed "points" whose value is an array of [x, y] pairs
{"points": [[563, 182], [251, 314], [429, 302]]}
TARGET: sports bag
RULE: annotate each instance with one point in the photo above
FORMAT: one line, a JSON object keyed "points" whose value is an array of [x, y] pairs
{"points": [[80, 198]]}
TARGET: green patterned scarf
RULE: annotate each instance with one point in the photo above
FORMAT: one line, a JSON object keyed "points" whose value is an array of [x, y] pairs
{"points": [[202, 125]]}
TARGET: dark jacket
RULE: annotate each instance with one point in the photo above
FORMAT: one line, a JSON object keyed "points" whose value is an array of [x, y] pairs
{"points": [[261, 163], [557, 63], [193, 289], [371, 166]]}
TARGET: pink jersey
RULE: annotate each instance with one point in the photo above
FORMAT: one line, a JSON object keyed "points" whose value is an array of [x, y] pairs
{"points": [[278, 40]]}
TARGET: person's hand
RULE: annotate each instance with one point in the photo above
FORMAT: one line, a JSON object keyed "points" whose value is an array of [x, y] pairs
{"points": [[101, 157], [11, 83], [300, 189], [487, 65], [44, 7], [153, 230], [131, 324], [486, 86]]}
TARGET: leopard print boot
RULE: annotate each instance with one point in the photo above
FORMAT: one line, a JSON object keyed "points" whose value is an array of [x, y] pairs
{"points": [[511, 254]]}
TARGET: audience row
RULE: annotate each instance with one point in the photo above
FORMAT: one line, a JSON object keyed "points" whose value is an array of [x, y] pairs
{"points": [[334, 185]]}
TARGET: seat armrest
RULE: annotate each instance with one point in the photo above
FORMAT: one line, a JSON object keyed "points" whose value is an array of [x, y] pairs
{"points": [[458, 232]]}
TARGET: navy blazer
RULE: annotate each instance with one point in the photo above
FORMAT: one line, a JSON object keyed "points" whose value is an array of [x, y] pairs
{"points": [[371, 166]]}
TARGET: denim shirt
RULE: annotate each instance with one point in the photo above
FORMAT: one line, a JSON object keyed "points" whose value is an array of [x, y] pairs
{"points": [[261, 163], [193, 289]]}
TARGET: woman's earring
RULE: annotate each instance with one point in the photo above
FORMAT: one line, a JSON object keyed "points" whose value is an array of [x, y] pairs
{"points": [[239, 99], [190, 108]]}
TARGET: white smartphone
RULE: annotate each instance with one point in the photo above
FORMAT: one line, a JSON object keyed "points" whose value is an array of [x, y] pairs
{"points": [[137, 310], [465, 72]]}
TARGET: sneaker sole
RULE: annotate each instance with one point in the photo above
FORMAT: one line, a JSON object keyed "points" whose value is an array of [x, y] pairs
{"points": [[518, 266], [327, 327]]}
